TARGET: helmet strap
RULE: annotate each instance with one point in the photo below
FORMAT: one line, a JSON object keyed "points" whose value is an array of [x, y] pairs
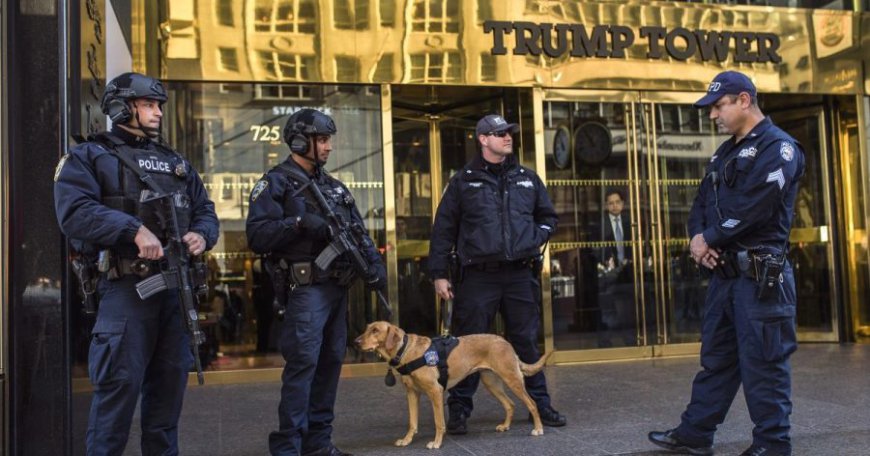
{"points": [[147, 131]]}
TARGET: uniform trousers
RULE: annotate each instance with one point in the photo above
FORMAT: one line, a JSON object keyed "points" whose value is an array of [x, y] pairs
{"points": [[313, 342], [136, 347], [745, 341], [513, 293]]}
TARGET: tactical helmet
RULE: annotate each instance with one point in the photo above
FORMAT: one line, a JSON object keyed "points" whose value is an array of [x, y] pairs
{"points": [[303, 124], [126, 87]]}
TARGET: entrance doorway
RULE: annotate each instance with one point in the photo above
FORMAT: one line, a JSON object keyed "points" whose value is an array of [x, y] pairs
{"points": [[623, 169], [433, 138]]}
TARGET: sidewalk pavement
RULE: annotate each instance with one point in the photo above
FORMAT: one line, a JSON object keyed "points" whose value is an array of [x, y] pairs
{"points": [[610, 408]]}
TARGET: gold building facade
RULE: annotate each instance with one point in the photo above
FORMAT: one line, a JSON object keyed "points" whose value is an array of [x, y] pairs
{"points": [[603, 93]]}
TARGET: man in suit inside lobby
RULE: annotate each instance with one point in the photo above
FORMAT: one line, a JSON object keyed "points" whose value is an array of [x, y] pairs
{"points": [[616, 232], [615, 280]]}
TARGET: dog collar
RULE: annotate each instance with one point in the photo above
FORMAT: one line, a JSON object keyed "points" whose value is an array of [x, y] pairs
{"points": [[396, 359]]}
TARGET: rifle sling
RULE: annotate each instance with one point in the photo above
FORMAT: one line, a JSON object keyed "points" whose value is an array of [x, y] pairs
{"points": [[129, 163]]}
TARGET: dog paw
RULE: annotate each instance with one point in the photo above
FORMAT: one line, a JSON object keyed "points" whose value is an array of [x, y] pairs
{"points": [[403, 442], [502, 428], [537, 432], [433, 445]]}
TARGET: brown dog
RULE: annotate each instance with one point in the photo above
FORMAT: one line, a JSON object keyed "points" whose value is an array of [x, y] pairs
{"points": [[489, 354]]}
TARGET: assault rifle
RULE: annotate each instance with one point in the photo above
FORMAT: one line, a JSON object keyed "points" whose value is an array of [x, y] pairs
{"points": [[180, 273], [347, 238]]}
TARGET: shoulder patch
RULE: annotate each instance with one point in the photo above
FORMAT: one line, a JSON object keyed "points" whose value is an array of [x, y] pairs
{"points": [[786, 151], [59, 166], [258, 188]]}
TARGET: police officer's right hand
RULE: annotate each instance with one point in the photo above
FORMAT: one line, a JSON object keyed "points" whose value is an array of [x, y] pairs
{"points": [[443, 289], [150, 247], [316, 226]]}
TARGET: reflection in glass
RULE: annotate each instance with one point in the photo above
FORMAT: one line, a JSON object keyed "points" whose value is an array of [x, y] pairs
{"points": [[591, 254], [685, 140]]}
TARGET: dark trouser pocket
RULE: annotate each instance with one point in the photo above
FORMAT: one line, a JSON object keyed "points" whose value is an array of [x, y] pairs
{"points": [[106, 355], [778, 339]]}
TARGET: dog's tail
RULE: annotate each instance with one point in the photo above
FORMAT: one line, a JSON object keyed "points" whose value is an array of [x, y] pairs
{"points": [[532, 369]]}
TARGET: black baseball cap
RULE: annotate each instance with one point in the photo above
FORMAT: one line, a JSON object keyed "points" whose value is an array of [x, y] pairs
{"points": [[726, 83], [493, 123]]}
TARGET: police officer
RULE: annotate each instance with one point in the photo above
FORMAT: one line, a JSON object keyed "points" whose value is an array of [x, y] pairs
{"points": [[495, 215], [137, 346], [739, 227], [286, 222]]}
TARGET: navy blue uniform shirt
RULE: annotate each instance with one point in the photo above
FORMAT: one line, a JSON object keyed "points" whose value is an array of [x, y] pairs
{"points": [[757, 187], [486, 216], [90, 171]]}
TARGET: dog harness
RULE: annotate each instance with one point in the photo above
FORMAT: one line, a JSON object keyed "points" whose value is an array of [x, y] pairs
{"points": [[436, 356]]}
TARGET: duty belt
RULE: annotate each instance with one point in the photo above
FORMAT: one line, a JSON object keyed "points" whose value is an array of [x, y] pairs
{"points": [[496, 266], [136, 266], [733, 264]]}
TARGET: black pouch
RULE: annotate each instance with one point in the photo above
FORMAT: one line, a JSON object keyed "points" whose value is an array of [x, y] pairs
{"points": [[727, 266], [770, 275], [302, 273]]}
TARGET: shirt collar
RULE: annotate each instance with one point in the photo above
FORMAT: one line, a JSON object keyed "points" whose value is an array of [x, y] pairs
{"points": [[756, 131]]}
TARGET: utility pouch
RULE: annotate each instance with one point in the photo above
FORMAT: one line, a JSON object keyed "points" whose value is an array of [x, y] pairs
{"points": [[727, 266], [302, 273], [770, 275], [277, 271]]}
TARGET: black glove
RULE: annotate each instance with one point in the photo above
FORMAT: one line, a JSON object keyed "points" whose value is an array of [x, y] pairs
{"points": [[316, 227], [377, 280]]}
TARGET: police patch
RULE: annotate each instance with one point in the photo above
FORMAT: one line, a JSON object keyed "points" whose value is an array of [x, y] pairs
{"points": [[786, 151], [748, 152], [526, 183], [60, 166], [261, 185], [431, 358]]}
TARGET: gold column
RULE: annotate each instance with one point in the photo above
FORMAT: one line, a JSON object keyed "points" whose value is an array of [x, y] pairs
{"points": [[390, 199], [541, 169]]}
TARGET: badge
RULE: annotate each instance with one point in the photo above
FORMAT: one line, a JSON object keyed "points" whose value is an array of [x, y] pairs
{"points": [[261, 185], [60, 166], [748, 152], [786, 151], [526, 184], [181, 170], [431, 358]]}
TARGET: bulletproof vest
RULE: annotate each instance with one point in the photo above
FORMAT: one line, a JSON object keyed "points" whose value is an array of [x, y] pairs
{"points": [[168, 170], [337, 196]]}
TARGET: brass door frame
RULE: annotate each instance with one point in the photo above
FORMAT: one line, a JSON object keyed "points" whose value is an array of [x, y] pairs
{"points": [[631, 100], [820, 114], [637, 130]]}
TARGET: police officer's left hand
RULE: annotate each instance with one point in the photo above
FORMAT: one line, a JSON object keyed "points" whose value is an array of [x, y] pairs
{"points": [[376, 281], [195, 242]]}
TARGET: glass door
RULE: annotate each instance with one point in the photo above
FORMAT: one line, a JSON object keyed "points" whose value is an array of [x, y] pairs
{"points": [[598, 257], [677, 141], [623, 170], [812, 250]]}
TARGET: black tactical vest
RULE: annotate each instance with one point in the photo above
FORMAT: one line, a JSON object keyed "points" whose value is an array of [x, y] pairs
{"points": [[167, 169]]}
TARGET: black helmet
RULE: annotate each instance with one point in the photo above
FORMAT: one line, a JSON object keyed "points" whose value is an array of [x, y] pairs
{"points": [[126, 87], [303, 124]]}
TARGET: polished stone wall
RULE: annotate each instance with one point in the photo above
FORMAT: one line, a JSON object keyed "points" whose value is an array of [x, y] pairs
{"points": [[38, 364]]}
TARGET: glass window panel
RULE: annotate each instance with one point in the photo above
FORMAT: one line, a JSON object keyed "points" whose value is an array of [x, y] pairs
{"points": [[346, 68], [384, 70], [487, 67], [387, 9], [232, 138], [229, 60], [225, 12], [342, 14]]}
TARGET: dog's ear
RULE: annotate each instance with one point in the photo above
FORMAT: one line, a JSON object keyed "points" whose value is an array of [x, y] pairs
{"points": [[392, 339]]}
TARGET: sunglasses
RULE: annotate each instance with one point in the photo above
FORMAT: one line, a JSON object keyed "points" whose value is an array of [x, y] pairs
{"points": [[499, 134]]}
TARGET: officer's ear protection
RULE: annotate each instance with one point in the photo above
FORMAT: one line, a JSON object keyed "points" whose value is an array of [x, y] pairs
{"points": [[298, 141], [116, 108]]}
